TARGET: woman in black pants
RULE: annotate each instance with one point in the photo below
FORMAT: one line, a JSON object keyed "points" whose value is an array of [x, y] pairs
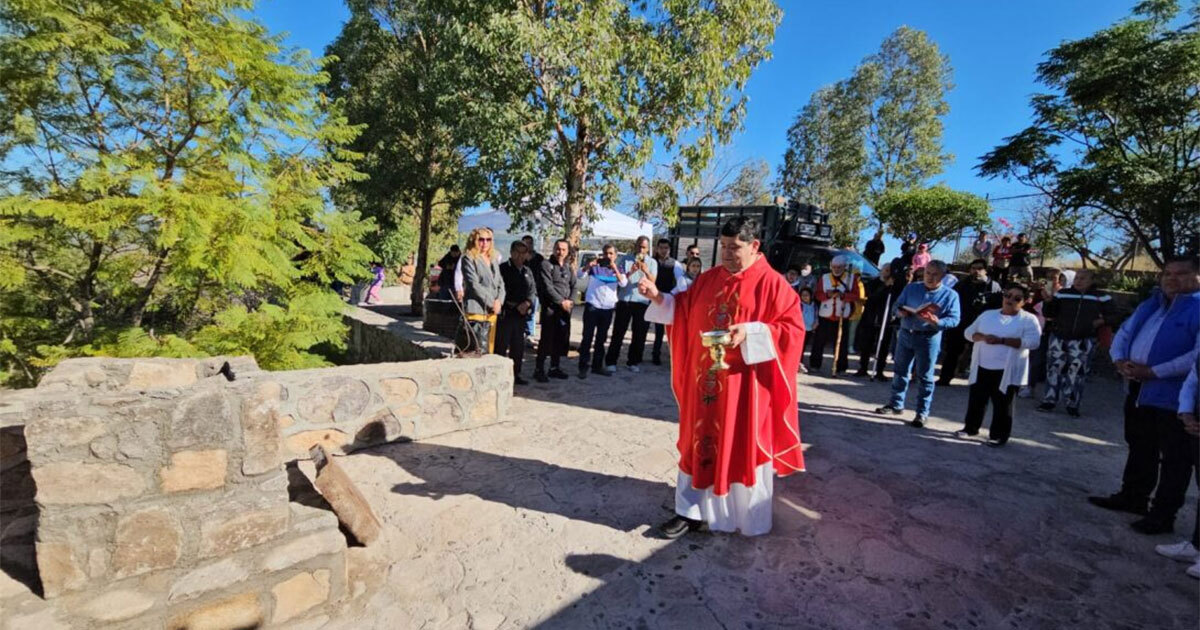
{"points": [[999, 363]]}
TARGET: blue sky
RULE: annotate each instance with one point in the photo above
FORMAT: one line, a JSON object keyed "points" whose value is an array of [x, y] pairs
{"points": [[993, 49]]}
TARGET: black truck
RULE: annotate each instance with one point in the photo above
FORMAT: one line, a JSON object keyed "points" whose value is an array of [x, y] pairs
{"points": [[793, 234]]}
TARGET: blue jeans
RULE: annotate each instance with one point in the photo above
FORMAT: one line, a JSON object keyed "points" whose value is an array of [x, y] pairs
{"points": [[923, 349], [532, 316]]}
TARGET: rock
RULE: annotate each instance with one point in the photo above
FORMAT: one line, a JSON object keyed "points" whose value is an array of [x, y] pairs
{"points": [[399, 391], [384, 427], [54, 432], [301, 549], [348, 503], [242, 611], [442, 414], [334, 399], [203, 420], [485, 409], [227, 534], [57, 568], [331, 440], [300, 593], [195, 470], [146, 541], [161, 375], [460, 381], [207, 578], [118, 605], [76, 483], [260, 429]]}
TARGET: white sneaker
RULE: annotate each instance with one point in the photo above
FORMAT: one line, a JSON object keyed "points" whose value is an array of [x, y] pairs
{"points": [[1025, 392], [635, 368], [1182, 551], [1194, 570]]}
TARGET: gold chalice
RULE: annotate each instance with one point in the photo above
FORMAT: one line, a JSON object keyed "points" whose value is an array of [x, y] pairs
{"points": [[715, 341]]}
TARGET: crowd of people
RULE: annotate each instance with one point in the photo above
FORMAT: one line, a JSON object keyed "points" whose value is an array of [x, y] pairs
{"points": [[1018, 333]]}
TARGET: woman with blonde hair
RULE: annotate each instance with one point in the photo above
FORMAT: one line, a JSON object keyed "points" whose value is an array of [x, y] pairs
{"points": [[483, 289]]}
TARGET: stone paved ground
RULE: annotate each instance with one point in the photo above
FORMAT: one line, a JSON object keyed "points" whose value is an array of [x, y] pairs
{"points": [[545, 521]]}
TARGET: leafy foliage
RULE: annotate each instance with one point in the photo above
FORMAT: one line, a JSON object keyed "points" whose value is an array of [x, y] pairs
{"points": [[1118, 132], [609, 81], [161, 174], [933, 214]]}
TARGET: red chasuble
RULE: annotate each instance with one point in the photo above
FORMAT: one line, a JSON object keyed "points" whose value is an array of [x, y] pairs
{"points": [[735, 420]]}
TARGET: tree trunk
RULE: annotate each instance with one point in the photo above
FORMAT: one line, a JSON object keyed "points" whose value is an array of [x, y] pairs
{"points": [[139, 309], [422, 264], [574, 211]]}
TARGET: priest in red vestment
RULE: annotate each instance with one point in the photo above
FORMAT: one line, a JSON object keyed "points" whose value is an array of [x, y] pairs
{"points": [[738, 427]]}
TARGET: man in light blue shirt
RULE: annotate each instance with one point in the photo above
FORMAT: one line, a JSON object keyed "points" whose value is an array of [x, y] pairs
{"points": [[1154, 350], [925, 309], [631, 307]]}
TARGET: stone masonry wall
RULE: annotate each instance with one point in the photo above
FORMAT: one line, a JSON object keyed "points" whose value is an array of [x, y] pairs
{"points": [[161, 492]]}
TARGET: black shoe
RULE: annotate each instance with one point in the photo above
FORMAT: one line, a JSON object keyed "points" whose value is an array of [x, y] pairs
{"points": [[517, 380], [1120, 503], [540, 377], [656, 361], [1046, 406], [918, 421], [601, 372], [1073, 412], [583, 375], [942, 383], [677, 526], [881, 378], [996, 443], [1152, 526], [557, 373], [888, 410], [862, 374]]}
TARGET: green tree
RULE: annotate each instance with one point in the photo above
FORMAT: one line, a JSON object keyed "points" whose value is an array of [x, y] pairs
{"points": [[903, 87], [933, 214], [825, 162], [750, 187], [162, 183], [408, 71], [1118, 131], [611, 80]]}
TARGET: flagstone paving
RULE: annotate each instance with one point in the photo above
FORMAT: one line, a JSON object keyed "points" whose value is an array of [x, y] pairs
{"points": [[546, 520]]}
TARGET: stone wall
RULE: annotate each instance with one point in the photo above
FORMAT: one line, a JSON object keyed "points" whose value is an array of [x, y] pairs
{"points": [[375, 338], [162, 498]]}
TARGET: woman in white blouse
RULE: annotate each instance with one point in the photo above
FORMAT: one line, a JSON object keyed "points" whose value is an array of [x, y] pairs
{"points": [[999, 363]]}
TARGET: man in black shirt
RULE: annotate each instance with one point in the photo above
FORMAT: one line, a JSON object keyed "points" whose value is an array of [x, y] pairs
{"points": [[976, 294], [874, 248], [556, 289], [669, 271], [533, 260], [1020, 265], [517, 308], [446, 277]]}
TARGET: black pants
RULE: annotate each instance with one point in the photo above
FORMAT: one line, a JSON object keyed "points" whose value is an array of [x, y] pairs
{"points": [[510, 339], [1141, 434], [826, 333], [556, 335], [1178, 450], [953, 345], [660, 333], [985, 389], [1000, 275], [595, 324], [628, 314]]}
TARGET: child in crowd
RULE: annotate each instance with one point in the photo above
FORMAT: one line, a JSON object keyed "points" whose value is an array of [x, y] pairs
{"points": [[809, 309], [693, 266]]}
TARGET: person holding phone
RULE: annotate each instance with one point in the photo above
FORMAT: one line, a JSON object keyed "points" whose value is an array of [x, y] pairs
{"points": [[599, 301]]}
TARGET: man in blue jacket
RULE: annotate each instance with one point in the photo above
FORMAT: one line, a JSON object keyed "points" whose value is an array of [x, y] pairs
{"points": [[1154, 350], [925, 309]]}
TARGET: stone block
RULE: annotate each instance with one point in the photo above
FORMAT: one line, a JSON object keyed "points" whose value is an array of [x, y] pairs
{"points": [[52, 433], [383, 427], [298, 594], [399, 391], [117, 605], [161, 375], [460, 381], [58, 569], [260, 429], [195, 470], [442, 414], [334, 399], [329, 439], [343, 496], [241, 611], [226, 534], [486, 408], [304, 548], [79, 483], [146, 541], [208, 578], [202, 420], [138, 441]]}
